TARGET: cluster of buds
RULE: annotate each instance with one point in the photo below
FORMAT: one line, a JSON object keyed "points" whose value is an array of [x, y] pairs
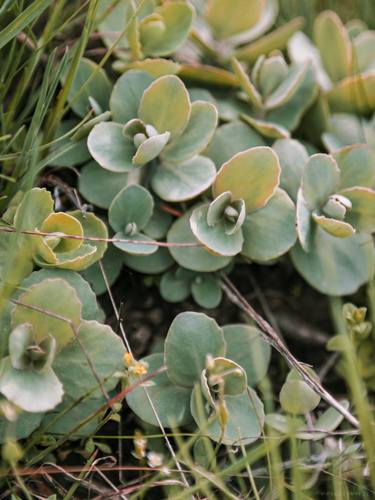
{"points": [[357, 327], [137, 368]]}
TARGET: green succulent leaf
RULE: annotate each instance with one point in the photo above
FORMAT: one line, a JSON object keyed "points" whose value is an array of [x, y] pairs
{"points": [[157, 227], [252, 175], [214, 237], [334, 45], [230, 373], [217, 206], [269, 232], [304, 224], [296, 396], [245, 346], [287, 88], [245, 422], [293, 158], [174, 287], [150, 149], [25, 424], [57, 297], [91, 81], [76, 152], [86, 296], [127, 93], [320, 179], [111, 148], [267, 128], [246, 84], [93, 227], [156, 263], [183, 181], [167, 35], [335, 266], [363, 51], [196, 136], [99, 186], [227, 19], [105, 350], [337, 228], [132, 205], [191, 337], [230, 139], [194, 258], [142, 244], [354, 94], [165, 105], [156, 66], [362, 213], [206, 291], [33, 391], [357, 166], [269, 73], [171, 402], [327, 422], [19, 340]]}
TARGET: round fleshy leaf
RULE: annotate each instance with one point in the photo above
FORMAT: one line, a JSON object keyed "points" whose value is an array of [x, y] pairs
{"points": [[176, 18], [267, 129], [268, 73], [329, 32], [297, 397], [364, 51], [206, 291], [111, 148], [230, 139], [337, 228], [246, 84], [233, 375], [287, 88], [74, 260], [362, 213], [173, 287], [289, 114], [150, 149], [93, 227], [191, 337], [194, 258], [33, 391], [90, 82], [90, 309], [320, 179], [196, 136], [227, 18], [25, 424], [135, 244], [357, 166], [207, 76], [99, 186], [303, 221], [132, 205], [19, 340], [354, 94], [252, 175], [293, 157], [275, 40], [127, 93], [105, 350], [183, 181], [245, 423], [61, 222], [345, 130], [335, 266], [57, 297], [270, 231], [155, 66], [112, 264], [217, 206], [165, 105], [245, 346], [157, 227], [171, 402], [214, 237], [156, 263]]}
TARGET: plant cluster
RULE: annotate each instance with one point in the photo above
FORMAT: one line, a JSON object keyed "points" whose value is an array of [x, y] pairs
{"points": [[222, 142]]}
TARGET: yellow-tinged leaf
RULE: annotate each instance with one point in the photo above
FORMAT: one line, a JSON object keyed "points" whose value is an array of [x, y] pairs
{"points": [[337, 228], [61, 222]]}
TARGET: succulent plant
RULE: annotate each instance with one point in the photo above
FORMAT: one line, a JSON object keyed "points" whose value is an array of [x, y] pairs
{"points": [[205, 381], [149, 28], [278, 94], [343, 60], [247, 202], [156, 124], [46, 368], [332, 206]]}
